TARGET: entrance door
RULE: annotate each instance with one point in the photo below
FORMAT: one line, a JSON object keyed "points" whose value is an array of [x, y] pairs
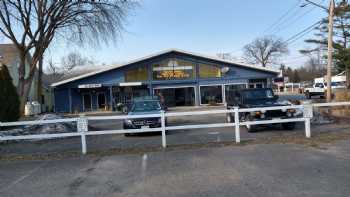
{"points": [[173, 97], [101, 101], [87, 102]]}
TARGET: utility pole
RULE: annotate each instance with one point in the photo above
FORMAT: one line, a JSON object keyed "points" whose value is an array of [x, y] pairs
{"points": [[330, 11], [330, 51]]}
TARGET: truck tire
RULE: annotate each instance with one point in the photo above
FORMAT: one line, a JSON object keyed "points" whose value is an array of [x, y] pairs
{"points": [[288, 126], [251, 128]]}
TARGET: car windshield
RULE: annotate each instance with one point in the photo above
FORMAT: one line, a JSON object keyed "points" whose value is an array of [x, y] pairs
{"points": [[144, 106], [257, 94]]}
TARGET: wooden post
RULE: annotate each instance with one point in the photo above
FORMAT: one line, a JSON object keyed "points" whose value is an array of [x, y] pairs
{"points": [[330, 51]]}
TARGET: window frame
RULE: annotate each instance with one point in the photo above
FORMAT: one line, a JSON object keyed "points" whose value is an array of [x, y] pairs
{"points": [[208, 85]]}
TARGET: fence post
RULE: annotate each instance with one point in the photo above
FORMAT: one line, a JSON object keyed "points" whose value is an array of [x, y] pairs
{"points": [[237, 131], [308, 114], [82, 126], [162, 118]]}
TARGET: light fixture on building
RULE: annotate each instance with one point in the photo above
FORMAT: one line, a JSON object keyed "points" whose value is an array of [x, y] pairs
{"points": [[225, 69]]}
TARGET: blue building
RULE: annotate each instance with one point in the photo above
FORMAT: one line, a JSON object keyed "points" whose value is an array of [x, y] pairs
{"points": [[181, 78]]}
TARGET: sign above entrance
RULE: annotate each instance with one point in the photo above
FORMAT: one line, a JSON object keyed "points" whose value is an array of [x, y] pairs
{"points": [[130, 84], [90, 86]]}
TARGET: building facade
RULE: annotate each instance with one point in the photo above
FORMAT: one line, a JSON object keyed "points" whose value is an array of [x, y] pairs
{"points": [[9, 56], [180, 78]]}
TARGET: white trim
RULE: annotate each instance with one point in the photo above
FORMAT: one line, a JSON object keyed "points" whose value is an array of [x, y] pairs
{"points": [[246, 84], [161, 53], [208, 85], [172, 87], [87, 86]]}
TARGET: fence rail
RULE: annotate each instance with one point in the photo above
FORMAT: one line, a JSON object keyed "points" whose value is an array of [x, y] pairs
{"points": [[83, 131]]}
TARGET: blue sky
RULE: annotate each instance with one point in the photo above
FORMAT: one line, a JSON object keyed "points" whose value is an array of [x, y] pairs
{"points": [[203, 26]]}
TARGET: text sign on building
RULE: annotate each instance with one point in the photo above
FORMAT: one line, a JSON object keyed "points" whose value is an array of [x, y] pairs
{"points": [[90, 86], [172, 71]]}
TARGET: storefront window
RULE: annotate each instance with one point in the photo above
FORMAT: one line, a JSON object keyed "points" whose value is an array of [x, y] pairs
{"points": [[136, 74], [230, 89], [173, 69], [209, 71], [211, 94]]}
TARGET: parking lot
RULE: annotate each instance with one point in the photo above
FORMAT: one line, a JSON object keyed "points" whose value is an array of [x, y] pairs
{"points": [[198, 162], [250, 170]]}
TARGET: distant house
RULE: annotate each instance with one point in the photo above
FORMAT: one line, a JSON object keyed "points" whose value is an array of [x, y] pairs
{"points": [[9, 57]]}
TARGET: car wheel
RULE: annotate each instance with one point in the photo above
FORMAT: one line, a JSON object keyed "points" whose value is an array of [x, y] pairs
{"points": [[288, 126]]}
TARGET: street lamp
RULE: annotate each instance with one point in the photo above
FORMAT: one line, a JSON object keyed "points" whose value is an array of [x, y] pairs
{"points": [[330, 11]]}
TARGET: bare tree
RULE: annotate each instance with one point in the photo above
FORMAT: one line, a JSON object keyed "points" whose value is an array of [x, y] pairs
{"points": [[73, 60], [32, 25], [265, 50], [52, 69]]}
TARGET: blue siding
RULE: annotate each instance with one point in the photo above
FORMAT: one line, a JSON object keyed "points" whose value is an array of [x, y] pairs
{"points": [[236, 74], [61, 100], [107, 78], [77, 101]]}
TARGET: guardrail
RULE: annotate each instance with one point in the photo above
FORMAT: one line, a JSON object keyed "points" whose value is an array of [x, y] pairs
{"points": [[83, 131]]}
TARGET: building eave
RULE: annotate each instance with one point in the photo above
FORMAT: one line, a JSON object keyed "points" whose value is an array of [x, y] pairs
{"points": [[274, 71]]}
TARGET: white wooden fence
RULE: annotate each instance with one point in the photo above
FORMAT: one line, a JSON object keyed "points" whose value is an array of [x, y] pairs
{"points": [[83, 131]]}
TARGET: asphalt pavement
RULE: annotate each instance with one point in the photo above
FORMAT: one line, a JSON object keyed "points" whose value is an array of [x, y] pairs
{"points": [[264, 170]]}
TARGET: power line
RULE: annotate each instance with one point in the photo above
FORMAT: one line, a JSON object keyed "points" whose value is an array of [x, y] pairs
{"points": [[302, 33], [296, 18], [277, 22]]}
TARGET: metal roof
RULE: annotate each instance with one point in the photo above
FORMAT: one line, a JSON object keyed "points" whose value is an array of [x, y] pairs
{"points": [[162, 53]]}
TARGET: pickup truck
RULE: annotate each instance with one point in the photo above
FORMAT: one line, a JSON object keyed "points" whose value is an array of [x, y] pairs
{"points": [[256, 98], [320, 89]]}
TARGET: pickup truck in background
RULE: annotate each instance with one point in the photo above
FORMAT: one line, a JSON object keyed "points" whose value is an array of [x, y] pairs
{"points": [[320, 89]]}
